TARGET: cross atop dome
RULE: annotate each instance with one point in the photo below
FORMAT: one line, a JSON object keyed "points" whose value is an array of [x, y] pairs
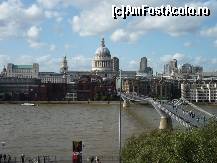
{"points": [[103, 42]]}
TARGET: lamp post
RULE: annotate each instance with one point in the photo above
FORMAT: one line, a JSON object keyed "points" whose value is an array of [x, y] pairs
{"points": [[120, 118]]}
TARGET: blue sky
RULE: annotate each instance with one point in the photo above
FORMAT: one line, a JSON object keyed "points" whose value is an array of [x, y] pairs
{"points": [[43, 31]]}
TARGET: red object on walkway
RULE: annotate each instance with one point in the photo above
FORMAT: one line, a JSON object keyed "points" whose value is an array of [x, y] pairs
{"points": [[74, 157]]}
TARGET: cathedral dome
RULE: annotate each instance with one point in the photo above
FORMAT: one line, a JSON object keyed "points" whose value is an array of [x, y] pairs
{"points": [[103, 51], [102, 60]]}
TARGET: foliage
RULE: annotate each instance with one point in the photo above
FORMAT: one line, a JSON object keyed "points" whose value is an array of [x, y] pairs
{"points": [[195, 146]]}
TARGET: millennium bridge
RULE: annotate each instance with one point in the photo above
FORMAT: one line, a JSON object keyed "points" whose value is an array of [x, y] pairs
{"points": [[181, 110]]}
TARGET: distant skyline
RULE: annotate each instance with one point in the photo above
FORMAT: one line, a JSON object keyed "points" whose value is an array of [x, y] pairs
{"points": [[44, 31]]}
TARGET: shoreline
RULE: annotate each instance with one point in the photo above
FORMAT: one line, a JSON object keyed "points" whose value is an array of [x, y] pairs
{"points": [[81, 102], [61, 102]]}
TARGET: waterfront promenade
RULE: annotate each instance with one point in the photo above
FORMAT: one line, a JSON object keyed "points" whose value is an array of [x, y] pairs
{"points": [[7, 158]]}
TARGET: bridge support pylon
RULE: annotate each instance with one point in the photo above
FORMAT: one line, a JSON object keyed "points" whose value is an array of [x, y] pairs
{"points": [[126, 103], [165, 123]]}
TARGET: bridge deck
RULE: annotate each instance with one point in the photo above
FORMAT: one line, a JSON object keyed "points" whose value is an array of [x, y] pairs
{"points": [[183, 111]]}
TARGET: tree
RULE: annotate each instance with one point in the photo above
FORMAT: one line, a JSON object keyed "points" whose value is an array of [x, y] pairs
{"points": [[195, 146]]}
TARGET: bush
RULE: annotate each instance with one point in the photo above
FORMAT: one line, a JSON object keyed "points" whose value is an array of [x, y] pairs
{"points": [[195, 146]]}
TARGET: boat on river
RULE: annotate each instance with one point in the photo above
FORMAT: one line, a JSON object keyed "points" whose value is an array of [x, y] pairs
{"points": [[28, 104]]}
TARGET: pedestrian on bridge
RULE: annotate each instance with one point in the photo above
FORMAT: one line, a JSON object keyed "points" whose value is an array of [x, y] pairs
{"points": [[22, 158], [204, 119], [4, 157], [92, 159], [0, 158], [9, 158]]}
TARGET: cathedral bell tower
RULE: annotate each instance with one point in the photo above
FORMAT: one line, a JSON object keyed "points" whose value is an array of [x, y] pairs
{"points": [[64, 66]]}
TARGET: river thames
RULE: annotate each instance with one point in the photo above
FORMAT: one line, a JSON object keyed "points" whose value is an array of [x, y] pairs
{"points": [[49, 129]]}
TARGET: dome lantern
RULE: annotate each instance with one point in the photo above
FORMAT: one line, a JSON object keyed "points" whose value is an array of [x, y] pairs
{"points": [[103, 51], [103, 42]]}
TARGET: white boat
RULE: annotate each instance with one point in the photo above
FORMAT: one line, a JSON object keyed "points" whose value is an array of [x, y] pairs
{"points": [[28, 104]]}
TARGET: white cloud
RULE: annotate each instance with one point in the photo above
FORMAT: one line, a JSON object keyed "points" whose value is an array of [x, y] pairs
{"points": [[133, 62], [68, 46], [188, 44], [210, 32], [125, 36], [174, 26], [52, 47], [34, 12], [77, 62], [54, 14], [94, 21], [79, 59], [35, 44], [215, 43], [132, 65], [4, 59], [33, 37], [24, 59], [15, 19], [48, 63], [33, 32], [214, 61], [178, 56], [199, 60], [50, 4], [59, 19], [53, 4]]}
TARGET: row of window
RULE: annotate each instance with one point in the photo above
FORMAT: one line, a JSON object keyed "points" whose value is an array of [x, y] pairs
{"points": [[53, 80], [20, 76], [23, 70]]}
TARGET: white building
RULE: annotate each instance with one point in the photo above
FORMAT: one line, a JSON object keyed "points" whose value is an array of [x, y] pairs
{"points": [[170, 67], [22, 71], [52, 77], [200, 91]]}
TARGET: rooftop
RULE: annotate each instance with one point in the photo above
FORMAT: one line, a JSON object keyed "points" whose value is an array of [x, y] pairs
{"points": [[22, 66]]}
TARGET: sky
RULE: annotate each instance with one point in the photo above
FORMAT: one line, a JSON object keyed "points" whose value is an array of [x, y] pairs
{"points": [[44, 31]]}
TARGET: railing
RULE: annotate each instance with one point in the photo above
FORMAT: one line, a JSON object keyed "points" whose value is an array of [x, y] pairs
{"points": [[54, 159], [27, 159]]}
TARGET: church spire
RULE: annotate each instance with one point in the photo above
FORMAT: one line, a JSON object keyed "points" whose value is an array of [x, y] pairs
{"points": [[64, 66]]}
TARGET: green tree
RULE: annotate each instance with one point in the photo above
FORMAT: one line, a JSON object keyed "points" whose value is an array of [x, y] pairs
{"points": [[195, 146]]}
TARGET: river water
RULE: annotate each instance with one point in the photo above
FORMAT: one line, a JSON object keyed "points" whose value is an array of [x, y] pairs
{"points": [[50, 129]]}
